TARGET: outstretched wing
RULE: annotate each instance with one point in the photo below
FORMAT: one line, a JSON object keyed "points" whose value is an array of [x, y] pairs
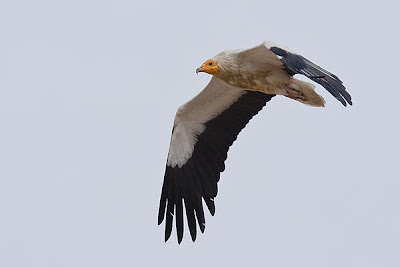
{"points": [[204, 129], [297, 64]]}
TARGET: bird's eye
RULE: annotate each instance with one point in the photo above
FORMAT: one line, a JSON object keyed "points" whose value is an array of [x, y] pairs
{"points": [[210, 63]]}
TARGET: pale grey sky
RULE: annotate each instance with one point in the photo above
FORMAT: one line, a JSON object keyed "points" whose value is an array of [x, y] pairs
{"points": [[88, 93]]}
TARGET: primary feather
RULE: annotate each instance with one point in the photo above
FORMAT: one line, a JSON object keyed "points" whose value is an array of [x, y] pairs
{"points": [[206, 126]]}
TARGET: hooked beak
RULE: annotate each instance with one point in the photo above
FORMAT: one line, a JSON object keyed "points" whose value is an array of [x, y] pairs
{"points": [[210, 67]]}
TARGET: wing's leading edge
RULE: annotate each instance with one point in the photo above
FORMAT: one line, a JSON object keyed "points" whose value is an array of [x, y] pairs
{"points": [[187, 185]]}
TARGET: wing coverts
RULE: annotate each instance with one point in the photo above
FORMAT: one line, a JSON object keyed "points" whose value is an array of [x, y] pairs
{"points": [[186, 186]]}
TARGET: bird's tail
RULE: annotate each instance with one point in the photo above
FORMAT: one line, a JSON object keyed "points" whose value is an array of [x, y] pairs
{"points": [[304, 93]]}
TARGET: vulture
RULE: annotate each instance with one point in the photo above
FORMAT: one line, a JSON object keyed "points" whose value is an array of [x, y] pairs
{"points": [[242, 82]]}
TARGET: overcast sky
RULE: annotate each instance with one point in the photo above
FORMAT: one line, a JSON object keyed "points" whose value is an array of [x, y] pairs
{"points": [[88, 94]]}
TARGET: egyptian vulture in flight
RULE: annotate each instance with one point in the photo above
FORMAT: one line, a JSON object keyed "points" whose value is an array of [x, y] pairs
{"points": [[205, 127]]}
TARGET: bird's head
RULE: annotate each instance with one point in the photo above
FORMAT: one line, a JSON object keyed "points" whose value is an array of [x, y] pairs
{"points": [[210, 67], [225, 63]]}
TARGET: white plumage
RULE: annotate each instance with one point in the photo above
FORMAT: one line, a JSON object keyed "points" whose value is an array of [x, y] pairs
{"points": [[191, 117], [205, 127]]}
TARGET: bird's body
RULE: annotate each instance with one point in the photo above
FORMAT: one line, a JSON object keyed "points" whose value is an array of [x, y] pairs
{"points": [[259, 69], [206, 126]]}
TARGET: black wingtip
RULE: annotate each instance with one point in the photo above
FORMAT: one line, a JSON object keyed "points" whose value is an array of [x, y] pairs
{"points": [[210, 205], [167, 236], [161, 209], [193, 232], [344, 103], [160, 219], [202, 228], [297, 64], [179, 219], [348, 99], [193, 236]]}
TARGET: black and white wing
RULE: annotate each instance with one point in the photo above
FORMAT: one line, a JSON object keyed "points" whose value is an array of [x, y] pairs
{"points": [[204, 129], [297, 64]]}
